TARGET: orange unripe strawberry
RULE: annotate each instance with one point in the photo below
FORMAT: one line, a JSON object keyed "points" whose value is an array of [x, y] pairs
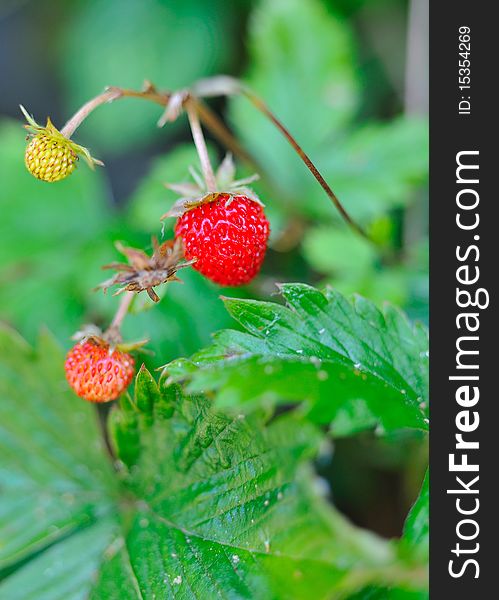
{"points": [[98, 373]]}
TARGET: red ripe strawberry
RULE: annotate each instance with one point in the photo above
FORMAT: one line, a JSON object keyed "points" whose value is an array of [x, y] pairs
{"points": [[96, 374], [228, 237]]}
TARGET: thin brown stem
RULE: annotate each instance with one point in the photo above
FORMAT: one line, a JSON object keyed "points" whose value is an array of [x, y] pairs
{"points": [[122, 311], [200, 143], [263, 108], [221, 132], [211, 121]]}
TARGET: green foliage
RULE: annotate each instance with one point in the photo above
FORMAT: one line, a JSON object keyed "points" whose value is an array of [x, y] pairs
{"points": [[133, 41], [352, 265], [416, 531], [211, 489], [54, 477], [202, 504], [353, 365], [303, 64]]}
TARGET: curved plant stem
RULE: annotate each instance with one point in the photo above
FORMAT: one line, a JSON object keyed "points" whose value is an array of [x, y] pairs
{"points": [[222, 133], [75, 121], [263, 108], [225, 86], [199, 141], [211, 121]]}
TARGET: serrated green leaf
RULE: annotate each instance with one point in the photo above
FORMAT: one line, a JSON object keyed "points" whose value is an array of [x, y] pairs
{"points": [[54, 477], [338, 356], [211, 505], [124, 434], [66, 570], [146, 391], [227, 509], [129, 418]]}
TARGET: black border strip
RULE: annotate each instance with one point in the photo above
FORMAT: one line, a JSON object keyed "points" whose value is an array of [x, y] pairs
{"points": [[451, 133]]}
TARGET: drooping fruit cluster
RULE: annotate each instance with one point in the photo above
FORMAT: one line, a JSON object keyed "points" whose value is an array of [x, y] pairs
{"points": [[49, 159], [227, 236], [98, 373]]}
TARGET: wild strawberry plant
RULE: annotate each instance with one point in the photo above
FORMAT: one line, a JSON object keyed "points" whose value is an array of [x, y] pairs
{"points": [[199, 482], [201, 492]]}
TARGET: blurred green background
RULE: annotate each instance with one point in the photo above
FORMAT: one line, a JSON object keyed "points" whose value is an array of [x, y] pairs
{"points": [[348, 78]]}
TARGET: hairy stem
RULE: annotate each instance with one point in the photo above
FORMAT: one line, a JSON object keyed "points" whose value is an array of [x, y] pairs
{"points": [[219, 130], [122, 311], [200, 143], [76, 120]]}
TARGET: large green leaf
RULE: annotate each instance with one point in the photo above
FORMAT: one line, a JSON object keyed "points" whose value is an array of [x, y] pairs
{"points": [[227, 508], [349, 361], [54, 478], [64, 571], [208, 489], [208, 505]]}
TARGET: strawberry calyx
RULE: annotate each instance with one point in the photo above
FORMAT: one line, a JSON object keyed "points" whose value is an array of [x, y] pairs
{"points": [[110, 338], [54, 134], [194, 194], [143, 272]]}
